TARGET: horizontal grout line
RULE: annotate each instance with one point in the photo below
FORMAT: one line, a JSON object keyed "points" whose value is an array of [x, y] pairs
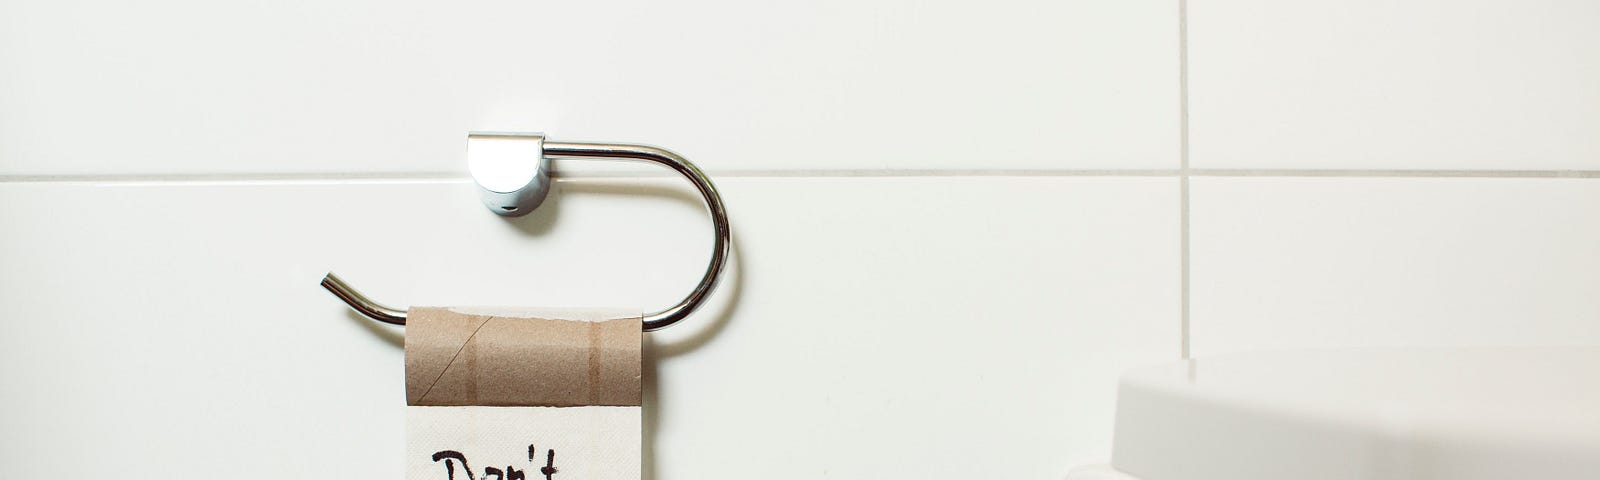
{"points": [[1109, 172], [458, 176], [321, 178], [1381, 173], [236, 178]]}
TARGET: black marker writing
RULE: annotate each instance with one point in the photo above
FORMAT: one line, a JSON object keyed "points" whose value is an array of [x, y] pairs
{"points": [[451, 457]]}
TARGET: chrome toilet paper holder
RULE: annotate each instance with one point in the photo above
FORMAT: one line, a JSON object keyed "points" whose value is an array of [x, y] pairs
{"points": [[513, 174]]}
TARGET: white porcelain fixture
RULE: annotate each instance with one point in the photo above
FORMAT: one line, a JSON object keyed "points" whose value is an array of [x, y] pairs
{"points": [[1414, 413]]}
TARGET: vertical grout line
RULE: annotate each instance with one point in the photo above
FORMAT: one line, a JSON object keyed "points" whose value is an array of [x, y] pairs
{"points": [[1183, 176], [1183, 269]]}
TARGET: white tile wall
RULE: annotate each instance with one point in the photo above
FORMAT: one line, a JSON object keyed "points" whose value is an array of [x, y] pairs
{"points": [[1320, 262], [1452, 167], [296, 86], [955, 222], [871, 327], [1377, 84]]}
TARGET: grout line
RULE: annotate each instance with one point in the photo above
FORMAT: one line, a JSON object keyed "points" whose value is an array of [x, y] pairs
{"points": [[460, 177], [1184, 172], [1183, 179], [1106, 172], [1382, 173], [1183, 267], [1183, 87], [294, 178]]}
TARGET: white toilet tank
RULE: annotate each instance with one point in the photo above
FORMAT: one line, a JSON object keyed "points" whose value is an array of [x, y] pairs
{"points": [[1347, 414]]}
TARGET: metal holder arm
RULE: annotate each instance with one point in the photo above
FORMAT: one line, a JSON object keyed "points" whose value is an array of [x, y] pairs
{"points": [[520, 200]]}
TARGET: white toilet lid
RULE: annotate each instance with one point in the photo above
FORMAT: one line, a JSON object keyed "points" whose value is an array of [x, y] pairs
{"points": [[1441, 413]]}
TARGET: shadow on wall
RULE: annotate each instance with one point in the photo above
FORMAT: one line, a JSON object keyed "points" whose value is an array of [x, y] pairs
{"points": [[710, 323], [730, 290]]}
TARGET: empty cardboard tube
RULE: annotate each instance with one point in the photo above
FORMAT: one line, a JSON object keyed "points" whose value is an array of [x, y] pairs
{"points": [[460, 357]]}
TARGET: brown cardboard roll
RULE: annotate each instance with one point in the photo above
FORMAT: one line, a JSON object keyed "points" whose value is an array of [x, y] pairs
{"points": [[465, 357]]}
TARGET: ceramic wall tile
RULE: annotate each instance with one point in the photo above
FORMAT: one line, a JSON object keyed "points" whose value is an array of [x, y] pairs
{"points": [[1324, 262], [1373, 84], [93, 87]]}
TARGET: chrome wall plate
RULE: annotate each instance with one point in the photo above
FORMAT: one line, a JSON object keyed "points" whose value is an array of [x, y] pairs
{"points": [[511, 171]]}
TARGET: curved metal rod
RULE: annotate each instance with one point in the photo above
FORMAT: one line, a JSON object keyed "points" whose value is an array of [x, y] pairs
{"points": [[652, 321], [719, 216], [360, 303]]}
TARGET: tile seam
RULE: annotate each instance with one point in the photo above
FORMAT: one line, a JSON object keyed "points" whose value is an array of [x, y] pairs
{"points": [[1132, 173], [1183, 180]]}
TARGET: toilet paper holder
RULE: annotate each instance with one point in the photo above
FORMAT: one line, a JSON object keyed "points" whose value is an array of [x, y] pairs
{"points": [[513, 174]]}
